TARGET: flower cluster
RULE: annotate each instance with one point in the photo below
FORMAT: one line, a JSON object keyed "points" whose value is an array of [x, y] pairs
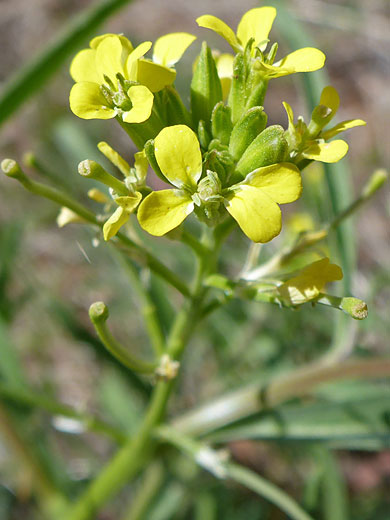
{"points": [[219, 158]]}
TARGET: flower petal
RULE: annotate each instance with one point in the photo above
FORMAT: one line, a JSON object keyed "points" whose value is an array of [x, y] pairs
{"points": [[126, 43], [178, 154], [225, 72], [330, 98], [109, 57], [141, 165], [142, 101], [256, 23], [115, 222], [154, 76], [303, 60], [129, 202], [164, 210], [281, 182], [170, 48], [290, 114], [326, 152], [83, 67], [257, 214], [310, 282], [341, 127], [215, 24], [132, 60], [87, 102]]}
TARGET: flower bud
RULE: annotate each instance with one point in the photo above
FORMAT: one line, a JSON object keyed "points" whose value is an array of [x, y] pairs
{"points": [[203, 135], [237, 95], [270, 147], [251, 124], [206, 90], [221, 123], [375, 182], [177, 114]]}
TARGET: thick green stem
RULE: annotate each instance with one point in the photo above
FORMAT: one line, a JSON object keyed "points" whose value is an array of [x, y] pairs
{"points": [[133, 455]]}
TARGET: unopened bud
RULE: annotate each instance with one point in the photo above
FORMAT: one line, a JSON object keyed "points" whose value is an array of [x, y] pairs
{"points": [[245, 131], [375, 182]]}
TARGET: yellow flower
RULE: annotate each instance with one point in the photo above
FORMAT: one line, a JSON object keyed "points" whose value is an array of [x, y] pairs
{"points": [[106, 76], [310, 141], [224, 64], [253, 203], [256, 24], [310, 282], [167, 51]]}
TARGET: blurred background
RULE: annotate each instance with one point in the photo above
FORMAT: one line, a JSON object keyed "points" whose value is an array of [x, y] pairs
{"points": [[49, 277]]}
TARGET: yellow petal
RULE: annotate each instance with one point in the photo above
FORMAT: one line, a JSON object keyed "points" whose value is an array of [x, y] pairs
{"points": [[310, 282], [141, 164], [67, 216], [341, 127], [215, 24], [114, 157], [256, 23], [225, 72], [154, 76], [281, 182], [129, 202], [330, 98], [170, 48], [132, 60], [326, 152], [302, 60], [98, 196], [164, 210], [142, 101], [178, 154], [109, 60], [115, 222], [290, 114], [257, 214], [87, 102], [83, 67], [126, 43]]}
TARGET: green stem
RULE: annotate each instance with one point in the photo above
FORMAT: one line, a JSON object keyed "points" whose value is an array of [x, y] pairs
{"points": [[98, 313], [132, 456], [148, 308]]}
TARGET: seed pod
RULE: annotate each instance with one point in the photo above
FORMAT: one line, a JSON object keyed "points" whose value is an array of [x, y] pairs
{"points": [[206, 90], [246, 130], [221, 123], [270, 147]]}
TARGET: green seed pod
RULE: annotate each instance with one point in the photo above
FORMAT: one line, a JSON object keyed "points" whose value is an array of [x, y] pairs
{"points": [[246, 130], [221, 123], [203, 135], [177, 113], [237, 97], [206, 90], [149, 151], [270, 147]]}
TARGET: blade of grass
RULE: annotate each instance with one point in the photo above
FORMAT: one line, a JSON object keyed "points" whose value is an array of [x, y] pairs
{"points": [[38, 71]]}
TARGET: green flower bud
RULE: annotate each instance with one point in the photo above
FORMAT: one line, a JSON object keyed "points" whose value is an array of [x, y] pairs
{"points": [[206, 90], [237, 96], [251, 124], [375, 182], [221, 123], [149, 152], [270, 147], [177, 114], [203, 135]]}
